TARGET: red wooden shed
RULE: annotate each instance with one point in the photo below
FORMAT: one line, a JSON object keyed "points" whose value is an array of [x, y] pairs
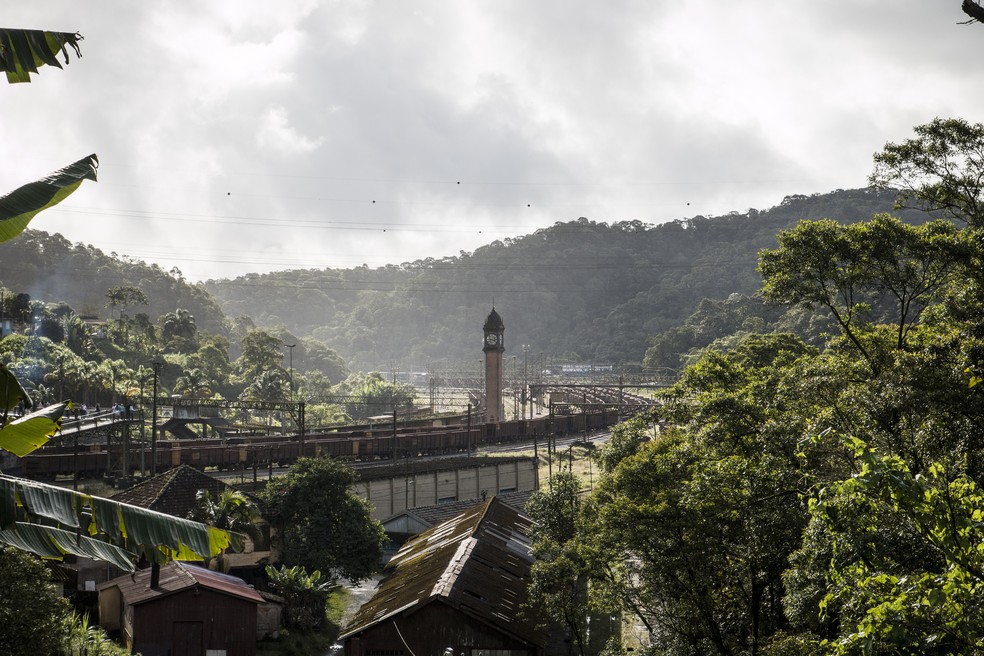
{"points": [[190, 612]]}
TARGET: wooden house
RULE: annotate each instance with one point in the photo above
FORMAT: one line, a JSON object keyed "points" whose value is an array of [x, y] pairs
{"points": [[190, 611], [458, 588]]}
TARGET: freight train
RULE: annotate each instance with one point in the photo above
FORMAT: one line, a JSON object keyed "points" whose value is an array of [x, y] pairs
{"points": [[358, 445]]}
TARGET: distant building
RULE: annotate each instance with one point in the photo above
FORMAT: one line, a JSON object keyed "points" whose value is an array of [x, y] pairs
{"points": [[395, 487], [459, 588]]}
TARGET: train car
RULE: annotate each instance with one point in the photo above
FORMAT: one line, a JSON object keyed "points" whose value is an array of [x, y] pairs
{"points": [[358, 444]]}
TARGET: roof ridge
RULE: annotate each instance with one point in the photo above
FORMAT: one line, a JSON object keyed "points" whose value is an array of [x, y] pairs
{"points": [[484, 515], [165, 478]]}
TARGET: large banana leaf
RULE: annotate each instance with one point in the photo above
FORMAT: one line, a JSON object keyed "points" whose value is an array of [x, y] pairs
{"points": [[21, 205], [27, 433], [129, 529], [23, 51], [51, 542], [11, 391]]}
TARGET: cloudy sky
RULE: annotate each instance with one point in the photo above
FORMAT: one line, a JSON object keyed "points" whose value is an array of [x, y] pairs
{"points": [[253, 136]]}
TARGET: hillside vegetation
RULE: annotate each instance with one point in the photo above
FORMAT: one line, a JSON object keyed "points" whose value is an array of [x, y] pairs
{"points": [[580, 289]]}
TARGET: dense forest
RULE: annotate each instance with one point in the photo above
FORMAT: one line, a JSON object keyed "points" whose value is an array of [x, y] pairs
{"points": [[50, 269], [580, 290]]}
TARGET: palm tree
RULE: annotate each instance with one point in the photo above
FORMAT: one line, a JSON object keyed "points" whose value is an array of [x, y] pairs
{"points": [[115, 373], [178, 331], [269, 385], [194, 383], [231, 511]]}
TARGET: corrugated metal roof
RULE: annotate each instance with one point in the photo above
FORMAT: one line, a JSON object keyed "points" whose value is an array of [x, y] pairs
{"points": [[478, 562], [435, 514], [175, 577]]}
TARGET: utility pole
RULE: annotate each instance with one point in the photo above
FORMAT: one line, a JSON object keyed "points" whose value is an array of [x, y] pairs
{"points": [[153, 421], [290, 383], [290, 374], [526, 378]]}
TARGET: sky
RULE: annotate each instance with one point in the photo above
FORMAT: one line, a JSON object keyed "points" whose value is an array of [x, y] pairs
{"points": [[237, 137]]}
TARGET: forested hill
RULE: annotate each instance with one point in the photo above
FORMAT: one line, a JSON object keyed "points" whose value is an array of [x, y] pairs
{"points": [[585, 289], [51, 269]]}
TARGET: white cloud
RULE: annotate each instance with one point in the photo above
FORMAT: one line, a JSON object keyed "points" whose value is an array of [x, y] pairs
{"points": [[299, 115], [275, 133]]}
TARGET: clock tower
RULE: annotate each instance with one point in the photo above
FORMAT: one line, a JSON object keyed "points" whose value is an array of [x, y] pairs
{"points": [[493, 348]]}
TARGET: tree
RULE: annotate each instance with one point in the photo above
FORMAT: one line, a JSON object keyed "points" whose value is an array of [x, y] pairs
{"points": [[36, 619], [193, 383], [231, 511], [691, 528], [32, 614], [559, 576], [122, 298], [116, 375], [306, 594], [267, 386], [371, 395], [212, 359], [900, 569], [855, 271], [50, 327], [179, 332], [315, 356], [941, 169], [77, 335], [261, 352], [321, 525]]}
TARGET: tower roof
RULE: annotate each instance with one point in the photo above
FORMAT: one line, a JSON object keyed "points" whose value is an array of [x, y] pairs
{"points": [[493, 323]]}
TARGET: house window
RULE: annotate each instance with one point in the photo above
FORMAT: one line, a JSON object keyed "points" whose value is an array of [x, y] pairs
{"points": [[500, 652], [447, 500], [384, 652]]}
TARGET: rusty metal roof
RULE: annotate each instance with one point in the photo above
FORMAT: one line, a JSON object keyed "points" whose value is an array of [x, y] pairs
{"points": [[175, 577], [432, 515], [478, 562]]}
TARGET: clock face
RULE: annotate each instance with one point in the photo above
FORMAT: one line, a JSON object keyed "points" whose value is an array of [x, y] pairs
{"points": [[491, 339]]}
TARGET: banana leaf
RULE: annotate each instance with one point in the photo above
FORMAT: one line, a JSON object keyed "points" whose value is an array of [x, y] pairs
{"points": [[50, 502], [52, 542], [23, 51], [27, 433], [11, 391], [21, 205], [133, 529]]}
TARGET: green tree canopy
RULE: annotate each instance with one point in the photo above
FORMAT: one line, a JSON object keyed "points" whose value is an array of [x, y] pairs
{"points": [[32, 614], [940, 169], [321, 525]]}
